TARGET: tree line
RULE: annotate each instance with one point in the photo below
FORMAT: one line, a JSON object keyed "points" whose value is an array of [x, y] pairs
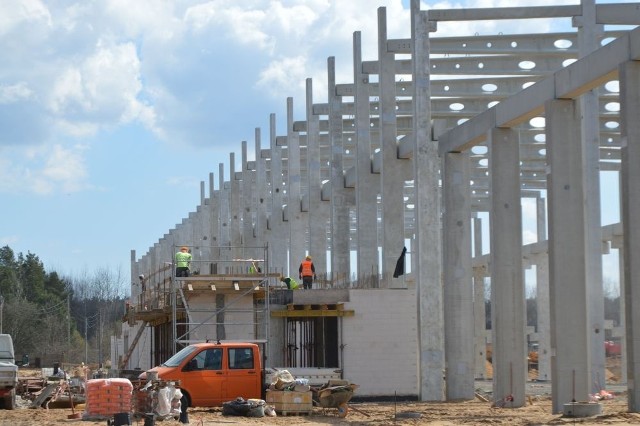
{"points": [[53, 318]]}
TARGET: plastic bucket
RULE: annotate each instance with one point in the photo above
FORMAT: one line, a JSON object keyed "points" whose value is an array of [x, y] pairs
{"points": [[121, 419]]}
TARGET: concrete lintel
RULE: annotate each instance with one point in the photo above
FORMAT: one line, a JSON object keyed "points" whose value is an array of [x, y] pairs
{"points": [[591, 71], [300, 126], [634, 45], [477, 14], [281, 141], [350, 178], [618, 14], [467, 134], [376, 162], [525, 104], [399, 45], [370, 67], [347, 89], [320, 109], [405, 146], [325, 192]]}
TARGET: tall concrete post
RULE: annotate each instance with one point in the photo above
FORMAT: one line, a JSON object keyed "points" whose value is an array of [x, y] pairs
{"points": [[428, 226], [507, 276], [367, 184], [588, 41], [318, 210], [458, 277], [392, 176], [260, 195], [279, 237], [479, 309], [571, 359], [342, 198], [247, 209], [542, 296], [297, 223], [224, 228], [629, 77], [235, 209]]}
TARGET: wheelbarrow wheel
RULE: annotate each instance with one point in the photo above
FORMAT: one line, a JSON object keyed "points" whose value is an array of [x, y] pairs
{"points": [[343, 410]]}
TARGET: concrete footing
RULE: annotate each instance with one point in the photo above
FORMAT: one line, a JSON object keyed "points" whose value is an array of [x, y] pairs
{"points": [[582, 409]]}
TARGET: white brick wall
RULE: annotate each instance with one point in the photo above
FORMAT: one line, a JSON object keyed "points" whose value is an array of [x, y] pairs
{"points": [[381, 352]]}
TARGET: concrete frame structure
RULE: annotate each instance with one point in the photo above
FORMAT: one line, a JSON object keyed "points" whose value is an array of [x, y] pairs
{"points": [[340, 169]]}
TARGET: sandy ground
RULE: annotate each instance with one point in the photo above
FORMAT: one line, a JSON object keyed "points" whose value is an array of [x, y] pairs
{"points": [[536, 412]]}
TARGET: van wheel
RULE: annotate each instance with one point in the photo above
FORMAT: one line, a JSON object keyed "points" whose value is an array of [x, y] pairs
{"points": [[9, 402], [184, 404]]}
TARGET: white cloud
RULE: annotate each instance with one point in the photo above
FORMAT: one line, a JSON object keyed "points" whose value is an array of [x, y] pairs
{"points": [[14, 93], [15, 13], [44, 170], [278, 77], [102, 90]]}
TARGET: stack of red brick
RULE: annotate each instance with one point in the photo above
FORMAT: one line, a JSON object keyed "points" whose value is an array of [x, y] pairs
{"points": [[106, 397]]}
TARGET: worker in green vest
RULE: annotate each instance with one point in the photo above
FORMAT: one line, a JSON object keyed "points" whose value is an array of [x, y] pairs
{"points": [[183, 261], [290, 282]]}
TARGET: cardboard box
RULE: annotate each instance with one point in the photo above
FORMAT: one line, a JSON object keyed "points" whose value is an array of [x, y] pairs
{"points": [[290, 401]]}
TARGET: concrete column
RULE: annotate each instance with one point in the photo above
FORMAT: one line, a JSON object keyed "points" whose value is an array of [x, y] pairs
{"points": [[235, 209], [247, 185], [297, 223], [278, 235], [571, 359], [428, 229], [392, 176], [203, 229], [479, 309], [367, 184], [588, 41], [458, 278], [215, 217], [508, 313], [224, 229], [542, 296], [318, 209], [260, 196], [342, 199], [623, 339], [629, 77]]}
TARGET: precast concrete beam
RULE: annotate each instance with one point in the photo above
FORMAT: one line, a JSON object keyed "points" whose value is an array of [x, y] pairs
{"points": [[474, 14]]}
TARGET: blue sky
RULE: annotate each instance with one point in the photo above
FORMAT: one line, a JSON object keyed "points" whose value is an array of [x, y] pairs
{"points": [[112, 112]]}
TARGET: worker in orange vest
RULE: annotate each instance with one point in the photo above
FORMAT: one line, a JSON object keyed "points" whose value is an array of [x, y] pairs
{"points": [[307, 273]]}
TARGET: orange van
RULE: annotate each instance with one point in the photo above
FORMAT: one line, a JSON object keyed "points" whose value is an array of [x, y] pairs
{"points": [[213, 373]]}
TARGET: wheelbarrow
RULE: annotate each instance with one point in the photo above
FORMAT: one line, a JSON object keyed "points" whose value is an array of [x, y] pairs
{"points": [[336, 397]]}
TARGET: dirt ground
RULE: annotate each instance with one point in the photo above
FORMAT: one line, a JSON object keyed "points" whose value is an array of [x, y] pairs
{"points": [[536, 412]]}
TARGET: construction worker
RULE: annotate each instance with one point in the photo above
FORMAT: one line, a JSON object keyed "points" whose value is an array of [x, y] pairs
{"points": [[307, 273], [183, 261], [254, 269], [290, 282]]}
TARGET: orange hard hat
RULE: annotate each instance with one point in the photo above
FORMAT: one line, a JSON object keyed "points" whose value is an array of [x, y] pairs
{"points": [[184, 248]]}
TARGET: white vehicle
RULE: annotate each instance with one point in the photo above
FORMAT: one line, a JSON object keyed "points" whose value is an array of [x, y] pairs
{"points": [[8, 373]]}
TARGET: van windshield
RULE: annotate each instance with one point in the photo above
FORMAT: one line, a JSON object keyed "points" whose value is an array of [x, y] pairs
{"points": [[175, 360]]}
